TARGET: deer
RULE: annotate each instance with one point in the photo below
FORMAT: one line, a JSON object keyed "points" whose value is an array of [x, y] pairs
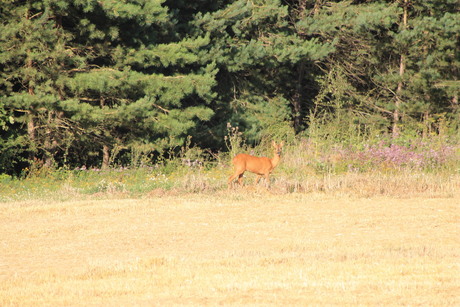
{"points": [[261, 166]]}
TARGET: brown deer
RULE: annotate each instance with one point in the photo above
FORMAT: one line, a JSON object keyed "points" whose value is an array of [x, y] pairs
{"points": [[261, 166]]}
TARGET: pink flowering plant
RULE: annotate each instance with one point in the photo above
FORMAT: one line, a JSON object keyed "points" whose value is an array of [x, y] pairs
{"points": [[416, 156]]}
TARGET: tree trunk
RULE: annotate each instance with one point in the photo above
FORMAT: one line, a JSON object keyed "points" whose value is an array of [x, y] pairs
{"points": [[402, 69], [105, 157], [31, 129], [105, 147], [31, 134], [298, 97], [50, 142], [396, 112]]}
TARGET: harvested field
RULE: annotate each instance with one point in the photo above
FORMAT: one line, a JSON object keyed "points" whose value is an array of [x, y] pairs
{"points": [[231, 248]]}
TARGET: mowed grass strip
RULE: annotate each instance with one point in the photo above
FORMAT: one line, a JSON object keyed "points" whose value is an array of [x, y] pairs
{"points": [[231, 248]]}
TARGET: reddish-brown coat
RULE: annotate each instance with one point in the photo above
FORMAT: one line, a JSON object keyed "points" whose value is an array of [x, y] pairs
{"points": [[261, 166]]}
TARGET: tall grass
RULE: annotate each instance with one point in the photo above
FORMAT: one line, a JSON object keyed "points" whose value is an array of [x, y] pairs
{"points": [[416, 168]]}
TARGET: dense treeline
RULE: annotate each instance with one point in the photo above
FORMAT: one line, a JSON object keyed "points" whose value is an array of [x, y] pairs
{"points": [[96, 82]]}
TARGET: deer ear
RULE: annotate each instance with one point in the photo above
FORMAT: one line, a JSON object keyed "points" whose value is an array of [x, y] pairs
{"points": [[282, 143], [274, 143]]}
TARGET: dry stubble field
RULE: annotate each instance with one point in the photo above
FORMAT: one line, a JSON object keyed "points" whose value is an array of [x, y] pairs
{"points": [[231, 248]]}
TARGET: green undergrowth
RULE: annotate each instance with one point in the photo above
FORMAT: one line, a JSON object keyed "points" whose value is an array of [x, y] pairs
{"points": [[365, 170]]}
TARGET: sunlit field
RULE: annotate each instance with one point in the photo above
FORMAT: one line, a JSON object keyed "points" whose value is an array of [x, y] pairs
{"points": [[242, 247], [235, 153], [366, 226]]}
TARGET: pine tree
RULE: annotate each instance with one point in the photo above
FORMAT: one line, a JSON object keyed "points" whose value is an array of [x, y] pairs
{"points": [[34, 52], [261, 60], [390, 55], [97, 76], [97, 81]]}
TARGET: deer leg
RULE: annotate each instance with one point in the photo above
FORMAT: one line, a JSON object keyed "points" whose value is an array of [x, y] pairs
{"points": [[267, 180], [240, 179], [232, 177], [257, 179]]}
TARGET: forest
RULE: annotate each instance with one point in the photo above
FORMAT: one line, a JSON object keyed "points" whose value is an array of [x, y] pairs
{"points": [[98, 83]]}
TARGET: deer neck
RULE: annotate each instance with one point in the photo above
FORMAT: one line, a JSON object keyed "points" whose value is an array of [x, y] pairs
{"points": [[275, 160]]}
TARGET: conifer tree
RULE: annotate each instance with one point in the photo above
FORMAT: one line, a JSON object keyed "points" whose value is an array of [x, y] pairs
{"points": [[91, 82], [33, 53], [261, 59], [92, 76], [391, 55]]}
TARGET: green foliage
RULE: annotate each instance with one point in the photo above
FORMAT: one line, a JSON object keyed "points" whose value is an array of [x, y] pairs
{"points": [[308, 165], [88, 74], [100, 83]]}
